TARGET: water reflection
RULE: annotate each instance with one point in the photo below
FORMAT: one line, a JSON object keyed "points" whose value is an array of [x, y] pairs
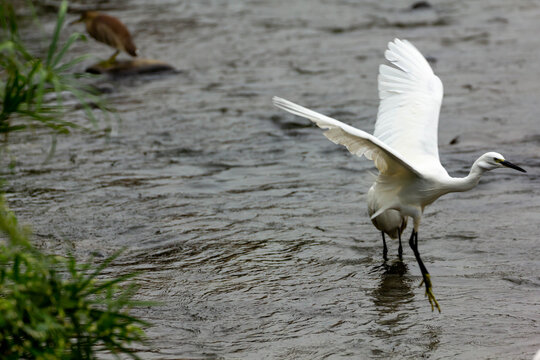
{"points": [[393, 300], [394, 289]]}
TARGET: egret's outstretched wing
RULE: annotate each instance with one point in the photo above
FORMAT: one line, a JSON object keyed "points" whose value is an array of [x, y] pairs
{"points": [[411, 96], [358, 142]]}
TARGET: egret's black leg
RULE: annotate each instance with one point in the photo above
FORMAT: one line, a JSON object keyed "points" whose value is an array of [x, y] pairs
{"points": [[413, 242], [400, 249], [385, 249]]}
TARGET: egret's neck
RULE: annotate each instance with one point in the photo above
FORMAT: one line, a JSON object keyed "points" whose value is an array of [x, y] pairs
{"points": [[469, 181]]}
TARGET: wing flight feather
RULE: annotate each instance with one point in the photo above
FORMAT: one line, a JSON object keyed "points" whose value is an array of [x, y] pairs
{"points": [[358, 142], [411, 96]]}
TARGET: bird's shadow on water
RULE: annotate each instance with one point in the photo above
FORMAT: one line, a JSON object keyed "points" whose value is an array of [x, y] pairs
{"points": [[394, 289], [390, 298], [394, 302]]}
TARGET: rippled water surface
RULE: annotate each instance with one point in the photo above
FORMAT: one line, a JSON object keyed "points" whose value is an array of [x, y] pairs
{"points": [[251, 228]]}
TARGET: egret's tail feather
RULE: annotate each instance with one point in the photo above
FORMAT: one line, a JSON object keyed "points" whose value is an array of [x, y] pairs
{"points": [[379, 212]]}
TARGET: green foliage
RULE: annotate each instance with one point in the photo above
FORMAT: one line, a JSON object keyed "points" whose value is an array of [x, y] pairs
{"points": [[29, 84], [53, 308]]}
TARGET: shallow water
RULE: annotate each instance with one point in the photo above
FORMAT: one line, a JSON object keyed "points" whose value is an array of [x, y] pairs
{"points": [[251, 228]]}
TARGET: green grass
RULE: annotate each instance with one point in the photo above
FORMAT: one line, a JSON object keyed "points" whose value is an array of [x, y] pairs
{"points": [[33, 89], [53, 308]]}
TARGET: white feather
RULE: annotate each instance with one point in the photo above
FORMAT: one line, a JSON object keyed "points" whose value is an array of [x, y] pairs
{"points": [[411, 98], [358, 142], [403, 147]]}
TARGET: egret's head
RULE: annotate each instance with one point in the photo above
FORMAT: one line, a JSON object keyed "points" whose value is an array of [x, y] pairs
{"points": [[493, 160], [86, 16]]}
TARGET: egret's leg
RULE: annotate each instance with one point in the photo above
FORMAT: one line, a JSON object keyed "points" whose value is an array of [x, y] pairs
{"points": [[385, 249], [413, 242], [112, 59], [400, 249]]}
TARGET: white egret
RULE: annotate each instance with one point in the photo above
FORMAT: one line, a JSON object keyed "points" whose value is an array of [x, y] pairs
{"points": [[403, 147]]}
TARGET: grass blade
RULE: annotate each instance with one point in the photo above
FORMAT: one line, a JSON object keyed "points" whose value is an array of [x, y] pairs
{"points": [[72, 38], [56, 35]]}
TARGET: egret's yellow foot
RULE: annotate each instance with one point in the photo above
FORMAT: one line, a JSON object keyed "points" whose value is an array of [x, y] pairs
{"points": [[104, 63], [107, 63], [429, 292], [110, 61]]}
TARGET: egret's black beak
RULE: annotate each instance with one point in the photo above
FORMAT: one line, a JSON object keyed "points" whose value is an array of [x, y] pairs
{"points": [[508, 164]]}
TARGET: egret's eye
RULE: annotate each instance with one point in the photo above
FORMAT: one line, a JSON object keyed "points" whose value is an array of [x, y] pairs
{"points": [[497, 160]]}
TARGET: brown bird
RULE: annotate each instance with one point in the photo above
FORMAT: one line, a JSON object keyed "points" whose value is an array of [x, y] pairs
{"points": [[108, 30]]}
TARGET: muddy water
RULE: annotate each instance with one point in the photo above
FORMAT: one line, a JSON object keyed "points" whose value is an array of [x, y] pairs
{"points": [[251, 228]]}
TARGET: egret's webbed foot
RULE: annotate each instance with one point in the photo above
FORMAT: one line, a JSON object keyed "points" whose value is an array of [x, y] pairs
{"points": [[426, 279]]}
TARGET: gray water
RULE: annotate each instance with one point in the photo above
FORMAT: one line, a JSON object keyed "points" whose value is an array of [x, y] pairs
{"points": [[251, 228]]}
